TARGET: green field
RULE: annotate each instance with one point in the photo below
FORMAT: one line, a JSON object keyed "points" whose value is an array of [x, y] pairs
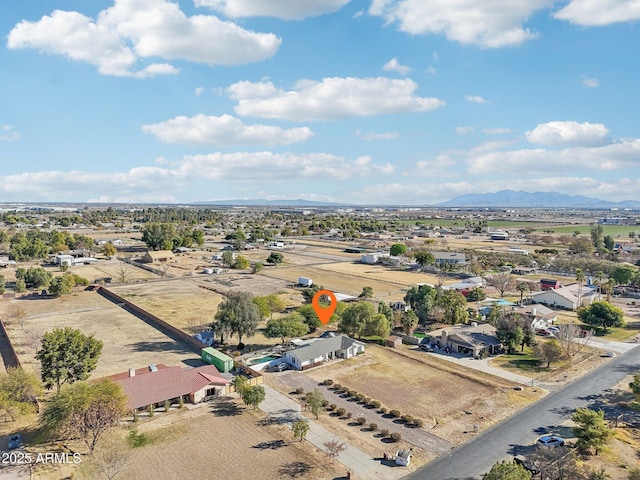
{"points": [[615, 231]]}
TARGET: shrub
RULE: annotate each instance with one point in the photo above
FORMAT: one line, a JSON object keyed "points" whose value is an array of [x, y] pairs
{"points": [[374, 403], [394, 413], [325, 403], [360, 397], [328, 382], [348, 414], [373, 427], [383, 410], [341, 412], [331, 407], [337, 387], [352, 393], [181, 403], [299, 390], [396, 437], [135, 439], [361, 420], [167, 405], [407, 418], [418, 422], [384, 432], [367, 400]]}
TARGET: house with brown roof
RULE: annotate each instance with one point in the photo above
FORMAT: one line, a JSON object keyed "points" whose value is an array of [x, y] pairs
{"points": [[158, 383], [157, 256], [538, 315], [467, 339]]}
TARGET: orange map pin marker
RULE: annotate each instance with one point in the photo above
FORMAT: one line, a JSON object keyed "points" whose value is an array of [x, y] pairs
{"points": [[324, 313]]}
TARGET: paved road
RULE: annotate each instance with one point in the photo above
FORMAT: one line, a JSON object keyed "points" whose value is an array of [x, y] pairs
{"points": [[470, 460]]}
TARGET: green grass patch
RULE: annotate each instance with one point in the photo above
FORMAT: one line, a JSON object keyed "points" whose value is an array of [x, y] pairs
{"points": [[419, 335], [522, 361], [137, 440], [613, 230], [373, 339]]}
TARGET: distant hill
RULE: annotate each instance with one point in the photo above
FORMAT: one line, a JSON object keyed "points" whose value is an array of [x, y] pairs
{"points": [[258, 202], [511, 198]]}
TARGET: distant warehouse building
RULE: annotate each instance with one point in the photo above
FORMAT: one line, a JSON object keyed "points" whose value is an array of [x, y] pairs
{"points": [[499, 236]]}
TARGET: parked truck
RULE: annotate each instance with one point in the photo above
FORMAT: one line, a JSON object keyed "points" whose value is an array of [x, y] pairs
{"points": [[305, 281]]}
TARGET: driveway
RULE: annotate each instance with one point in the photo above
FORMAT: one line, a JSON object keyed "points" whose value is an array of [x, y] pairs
{"points": [[284, 410], [415, 436]]}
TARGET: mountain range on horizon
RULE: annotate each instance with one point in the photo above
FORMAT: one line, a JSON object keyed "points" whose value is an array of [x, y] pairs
{"points": [[522, 199], [503, 198]]}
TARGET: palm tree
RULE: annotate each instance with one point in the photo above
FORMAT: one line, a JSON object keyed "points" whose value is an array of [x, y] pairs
{"points": [[599, 278], [580, 277], [522, 287]]}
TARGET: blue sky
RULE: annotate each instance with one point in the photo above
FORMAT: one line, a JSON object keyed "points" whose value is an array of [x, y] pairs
{"points": [[356, 101]]}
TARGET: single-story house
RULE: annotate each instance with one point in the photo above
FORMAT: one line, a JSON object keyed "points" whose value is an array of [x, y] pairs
{"points": [[566, 297], [157, 256], [468, 339], [312, 353], [393, 341], [158, 383], [449, 258], [539, 315]]}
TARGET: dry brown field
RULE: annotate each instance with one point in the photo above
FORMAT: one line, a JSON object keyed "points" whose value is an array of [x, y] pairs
{"points": [[207, 443], [128, 341], [450, 399]]}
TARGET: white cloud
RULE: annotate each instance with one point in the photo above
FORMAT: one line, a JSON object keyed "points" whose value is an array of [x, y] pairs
{"points": [[270, 167], [560, 133], [8, 133], [441, 165], [590, 82], [475, 99], [394, 66], [429, 193], [330, 99], [371, 136], [285, 9], [431, 70], [223, 131], [599, 12], [614, 156], [497, 23], [164, 182], [435, 56], [199, 91], [154, 28], [496, 131], [465, 130]]}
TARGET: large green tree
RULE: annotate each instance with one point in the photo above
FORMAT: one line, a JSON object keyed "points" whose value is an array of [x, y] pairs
{"points": [[275, 258], [19, 391], [507, 471], [253, 395], [378, 325], [624, 274], [424, 258], [601, 315], [314, 402], [159, 236], [289, 326], [591, 429], [356, 317], [454, 305], [421, 299], [548, 352], [238, 314], [398, 249], [62, 285], [34, 277], [85, 410], [67, 355]]}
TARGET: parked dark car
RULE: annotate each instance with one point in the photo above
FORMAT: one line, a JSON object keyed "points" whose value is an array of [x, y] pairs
{"points": [[15, 441]]}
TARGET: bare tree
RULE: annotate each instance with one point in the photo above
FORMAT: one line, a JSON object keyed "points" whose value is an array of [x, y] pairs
{"points": [[196, 325], [334, 448], [33, 338], [111, 457], [503, 282], [557, 463], [20, 314], [123, 272], [572, 338]]}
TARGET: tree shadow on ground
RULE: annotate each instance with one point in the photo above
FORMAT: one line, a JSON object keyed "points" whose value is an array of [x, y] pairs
{"points": [[226, 408], [271, 445], [167, 346], [294, 469]]}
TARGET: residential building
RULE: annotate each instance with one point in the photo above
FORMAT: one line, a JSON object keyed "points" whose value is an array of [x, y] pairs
{"points": [[314, 352], [473, 339], [566, 297], [539, 315]]}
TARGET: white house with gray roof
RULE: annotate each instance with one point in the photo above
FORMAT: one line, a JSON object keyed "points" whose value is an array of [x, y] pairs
{"points": [[316, 351]]}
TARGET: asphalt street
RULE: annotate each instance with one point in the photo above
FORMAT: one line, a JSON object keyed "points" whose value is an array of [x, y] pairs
{"points": [[472, 459]]}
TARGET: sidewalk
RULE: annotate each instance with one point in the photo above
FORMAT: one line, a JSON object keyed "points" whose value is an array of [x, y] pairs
{"points": [[362, 466]]}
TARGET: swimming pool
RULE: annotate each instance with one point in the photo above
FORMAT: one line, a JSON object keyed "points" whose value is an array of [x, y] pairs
{"points": [[268, 358]]}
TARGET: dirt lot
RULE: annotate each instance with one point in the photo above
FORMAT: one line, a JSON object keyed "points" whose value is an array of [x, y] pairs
{"points": [[440, 394], [207, 443], [128, 341]]}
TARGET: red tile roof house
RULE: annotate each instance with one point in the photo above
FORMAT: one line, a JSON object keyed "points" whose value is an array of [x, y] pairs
{"points": [[146, 386]]}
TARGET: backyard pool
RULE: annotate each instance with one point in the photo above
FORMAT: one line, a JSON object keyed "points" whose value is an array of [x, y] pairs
{"points": [[268, 358]]}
